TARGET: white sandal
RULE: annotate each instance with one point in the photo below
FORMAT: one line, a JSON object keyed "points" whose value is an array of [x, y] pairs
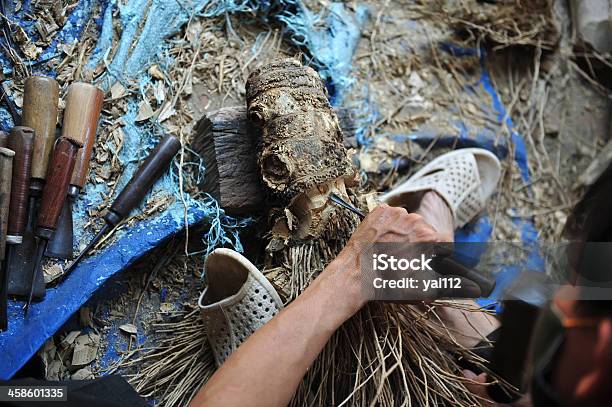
{"points": [[464, 178], [237, 301]]}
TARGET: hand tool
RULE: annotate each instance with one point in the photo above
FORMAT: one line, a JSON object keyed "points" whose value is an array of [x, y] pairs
{"points": [[20, 141], [54, 194], [90, 99], [134, 192], [40, 102], [341, 202], [6, 171], [443, 263]]}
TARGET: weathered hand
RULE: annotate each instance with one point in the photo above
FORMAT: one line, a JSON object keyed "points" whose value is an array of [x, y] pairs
{"points": [[385, 224]]}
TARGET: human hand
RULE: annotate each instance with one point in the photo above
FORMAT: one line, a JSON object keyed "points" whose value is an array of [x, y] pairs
{"points": [[385, 224]]}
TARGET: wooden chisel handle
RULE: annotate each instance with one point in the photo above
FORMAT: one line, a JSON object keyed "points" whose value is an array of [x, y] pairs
{"points": [[6, 172], [57, 183], [88, 99], [21, 141], [40, 99], [144, 178]]}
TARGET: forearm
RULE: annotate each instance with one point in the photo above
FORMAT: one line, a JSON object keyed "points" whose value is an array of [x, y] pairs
{"points": [[267, 369]]}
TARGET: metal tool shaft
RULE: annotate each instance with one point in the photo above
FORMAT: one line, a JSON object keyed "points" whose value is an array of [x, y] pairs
{"points": [[86, 250], [41, 246], [341, 202]]}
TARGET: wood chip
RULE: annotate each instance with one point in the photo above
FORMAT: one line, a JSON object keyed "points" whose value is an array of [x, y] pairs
{"points": [[159, 92], [69, 339], [85, 317], [145, 111], [129, 329], [83, 374], [166, 112], [55, 370], [52, 272], [85, 349], [117, 91], [155, 72], [166, 307]]}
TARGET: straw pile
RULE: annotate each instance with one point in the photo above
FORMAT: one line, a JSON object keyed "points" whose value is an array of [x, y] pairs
{"points": [[503, 24]]}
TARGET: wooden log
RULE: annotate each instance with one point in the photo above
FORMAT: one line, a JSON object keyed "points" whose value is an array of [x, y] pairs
{"points": [[227, 143]]}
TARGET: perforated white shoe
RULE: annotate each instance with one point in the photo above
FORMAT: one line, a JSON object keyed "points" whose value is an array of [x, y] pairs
{"points": [[464, 178], [237, 301]]}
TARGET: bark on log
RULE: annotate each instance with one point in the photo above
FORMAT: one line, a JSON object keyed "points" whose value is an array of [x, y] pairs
{"points": [[227, 143]]}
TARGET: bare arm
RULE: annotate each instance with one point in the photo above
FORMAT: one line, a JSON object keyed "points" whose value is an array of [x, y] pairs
{"points": [[267, 369]]}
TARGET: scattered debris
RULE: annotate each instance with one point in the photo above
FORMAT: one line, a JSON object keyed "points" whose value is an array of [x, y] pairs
{"points": [[83, 374], [414, 85], [85, 349], [129, 329], [69, 339]]}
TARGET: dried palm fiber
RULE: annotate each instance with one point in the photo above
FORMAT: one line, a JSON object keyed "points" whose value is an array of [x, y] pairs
{"points": [[179, 364], [387, 354], [503, 24]]}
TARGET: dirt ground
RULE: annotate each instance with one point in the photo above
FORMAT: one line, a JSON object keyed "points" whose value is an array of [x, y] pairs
{"points": [[558, 110]]}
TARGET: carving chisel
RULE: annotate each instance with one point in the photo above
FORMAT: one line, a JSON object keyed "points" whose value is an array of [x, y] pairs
{"points": [[341, 202], [6, 172], [134, 192], [21, 142], [54, 194], [61, 245], [40, 102]]}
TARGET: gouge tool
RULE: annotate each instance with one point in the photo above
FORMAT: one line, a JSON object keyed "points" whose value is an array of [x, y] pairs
{"points": [[20, 141], [54, 194], [134, 192], [90, 99]]}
